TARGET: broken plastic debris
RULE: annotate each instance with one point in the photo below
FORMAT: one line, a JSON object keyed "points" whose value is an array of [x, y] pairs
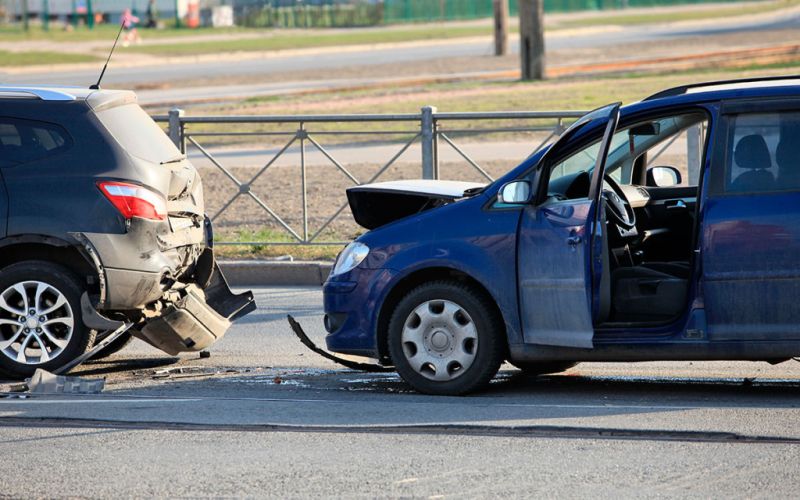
{"points": [[44, 382], [353, 365]]}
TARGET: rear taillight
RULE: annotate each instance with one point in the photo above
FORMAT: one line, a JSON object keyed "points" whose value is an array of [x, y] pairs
{"points": [[134, 201]]}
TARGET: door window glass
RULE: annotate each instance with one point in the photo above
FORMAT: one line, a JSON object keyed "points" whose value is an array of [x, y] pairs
{"points": [[23, 141], [675, 141], [763, 153]]}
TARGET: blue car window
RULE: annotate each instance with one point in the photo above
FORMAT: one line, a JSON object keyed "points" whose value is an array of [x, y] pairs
{"points": [[763, 153], [668, 144], [585, 159]]}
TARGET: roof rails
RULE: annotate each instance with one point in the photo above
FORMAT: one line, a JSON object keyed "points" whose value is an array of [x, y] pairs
{"points": [[683, 89], [41, 93]]}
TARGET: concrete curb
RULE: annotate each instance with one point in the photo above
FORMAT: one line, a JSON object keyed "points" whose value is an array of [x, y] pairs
{"points": [[272, 273]]}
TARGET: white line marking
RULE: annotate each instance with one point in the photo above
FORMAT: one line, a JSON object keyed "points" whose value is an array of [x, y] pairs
{"points": [[79, 401], [474, 403]]}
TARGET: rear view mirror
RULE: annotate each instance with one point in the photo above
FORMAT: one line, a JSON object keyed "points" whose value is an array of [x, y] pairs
{"points": [[663, 177], [516, 192], [650, 128]]}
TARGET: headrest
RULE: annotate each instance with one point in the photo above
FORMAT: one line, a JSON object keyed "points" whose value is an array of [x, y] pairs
{"points": [[751, 152]]}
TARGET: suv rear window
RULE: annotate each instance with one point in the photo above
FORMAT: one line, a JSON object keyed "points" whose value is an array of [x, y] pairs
{"points": [[138, 133], [23, 141]]}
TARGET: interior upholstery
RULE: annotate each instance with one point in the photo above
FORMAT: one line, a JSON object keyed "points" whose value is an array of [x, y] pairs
{"points": [[787, 156]]}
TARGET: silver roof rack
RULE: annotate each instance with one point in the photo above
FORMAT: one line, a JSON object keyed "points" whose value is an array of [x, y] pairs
{"points": [[43, 94]]}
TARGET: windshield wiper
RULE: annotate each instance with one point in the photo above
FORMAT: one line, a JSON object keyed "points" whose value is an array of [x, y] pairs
{"points": [[174, 160]]}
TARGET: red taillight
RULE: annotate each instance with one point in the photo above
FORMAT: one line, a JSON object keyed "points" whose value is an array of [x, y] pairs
{"points": [[134, 201]]}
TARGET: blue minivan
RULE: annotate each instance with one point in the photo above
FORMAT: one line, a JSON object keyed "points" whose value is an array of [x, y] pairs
{"points": [[668, 229]]}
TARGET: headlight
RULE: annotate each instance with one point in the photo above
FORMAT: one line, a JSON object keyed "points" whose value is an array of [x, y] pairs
{"points": [[351, 256]]}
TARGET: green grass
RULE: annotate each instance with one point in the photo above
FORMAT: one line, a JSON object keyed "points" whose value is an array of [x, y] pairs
{"points": [[14, 33], [680, 15], [319, 252], [31, 58], [276, 40]]}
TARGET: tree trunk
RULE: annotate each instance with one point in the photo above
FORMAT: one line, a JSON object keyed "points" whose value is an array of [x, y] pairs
{"points": [[500, 27], [531, 38]]}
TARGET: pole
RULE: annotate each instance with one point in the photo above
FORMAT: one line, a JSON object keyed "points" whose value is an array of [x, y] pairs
{"points": [[46, 15], [175, 130], [25, 21], [500, 27], [428, 138], [531, 38]]}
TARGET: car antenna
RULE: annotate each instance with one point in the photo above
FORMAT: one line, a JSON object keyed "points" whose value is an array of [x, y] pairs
{"points": [[96, 86]]}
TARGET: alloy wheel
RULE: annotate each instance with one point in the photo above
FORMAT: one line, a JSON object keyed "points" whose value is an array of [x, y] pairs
{"points": [[36, 322]]}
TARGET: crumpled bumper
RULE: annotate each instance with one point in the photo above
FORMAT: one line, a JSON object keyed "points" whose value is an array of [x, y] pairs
{"points": [[201, 316]]}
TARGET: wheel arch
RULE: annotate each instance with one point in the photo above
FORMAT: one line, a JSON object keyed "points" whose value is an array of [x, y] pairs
{"points": [[419, 277], [47, 248]]}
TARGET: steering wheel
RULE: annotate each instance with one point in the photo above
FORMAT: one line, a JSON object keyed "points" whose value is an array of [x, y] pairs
{"points": [[619, 208]]}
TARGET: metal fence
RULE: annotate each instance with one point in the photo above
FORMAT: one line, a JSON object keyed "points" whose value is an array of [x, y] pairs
{"points": [[430, 129], [340, 13], [318, 13]]}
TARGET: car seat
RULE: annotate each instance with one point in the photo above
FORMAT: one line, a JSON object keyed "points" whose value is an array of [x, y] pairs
{"points": [[751, 153]]}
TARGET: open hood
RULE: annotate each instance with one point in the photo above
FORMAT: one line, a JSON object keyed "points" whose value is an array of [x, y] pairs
{"points": [[374, 205]]}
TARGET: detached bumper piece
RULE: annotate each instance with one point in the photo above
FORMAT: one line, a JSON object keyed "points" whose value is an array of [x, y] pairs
{"points": [[353, 365], [200, 317]]}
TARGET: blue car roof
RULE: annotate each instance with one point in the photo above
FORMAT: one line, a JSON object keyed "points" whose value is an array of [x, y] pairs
{"points": [[689, 95], [716, 91]]}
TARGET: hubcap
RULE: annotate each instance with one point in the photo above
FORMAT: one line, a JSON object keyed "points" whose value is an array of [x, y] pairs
{"points": [[36, 322], [440, 340]]}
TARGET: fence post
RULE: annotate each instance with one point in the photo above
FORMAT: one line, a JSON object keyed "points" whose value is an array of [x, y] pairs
{"points": [[428, 126], [176, 128]]}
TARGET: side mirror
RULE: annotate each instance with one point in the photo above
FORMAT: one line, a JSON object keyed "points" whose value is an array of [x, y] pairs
{"points": [[651, 128], [663, 177], [515, 193]]}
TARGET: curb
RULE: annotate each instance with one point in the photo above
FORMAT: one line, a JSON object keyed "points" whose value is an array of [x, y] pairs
{"points": [[271, 273]]}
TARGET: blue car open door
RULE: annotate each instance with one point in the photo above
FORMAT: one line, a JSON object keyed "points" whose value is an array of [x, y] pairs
{"points": [[560, 249]]}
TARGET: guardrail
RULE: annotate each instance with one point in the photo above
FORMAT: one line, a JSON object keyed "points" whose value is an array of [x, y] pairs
{"points": [[430, 127]]}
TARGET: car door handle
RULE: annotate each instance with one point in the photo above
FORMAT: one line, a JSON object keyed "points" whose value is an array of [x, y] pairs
{"points": [[574, 240], [678, 205]]}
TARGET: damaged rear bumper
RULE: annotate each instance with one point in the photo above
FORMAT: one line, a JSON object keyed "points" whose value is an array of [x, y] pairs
{"points": [[200, 315]]}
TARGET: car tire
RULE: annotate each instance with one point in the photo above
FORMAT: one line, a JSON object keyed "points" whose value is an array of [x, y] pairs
{"points": [[543, 367], [445, 338], [114, 347], [55, 330]]}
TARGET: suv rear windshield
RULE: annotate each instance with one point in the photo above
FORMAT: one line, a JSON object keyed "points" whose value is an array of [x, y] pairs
{"points": [[138, 133]]}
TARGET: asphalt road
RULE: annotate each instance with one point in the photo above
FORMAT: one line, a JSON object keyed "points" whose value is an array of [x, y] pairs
{"points": [[404, 53], [263, 416]]}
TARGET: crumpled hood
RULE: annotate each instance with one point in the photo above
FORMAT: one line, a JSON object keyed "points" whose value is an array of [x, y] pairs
{"points": [[374, 205]]}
